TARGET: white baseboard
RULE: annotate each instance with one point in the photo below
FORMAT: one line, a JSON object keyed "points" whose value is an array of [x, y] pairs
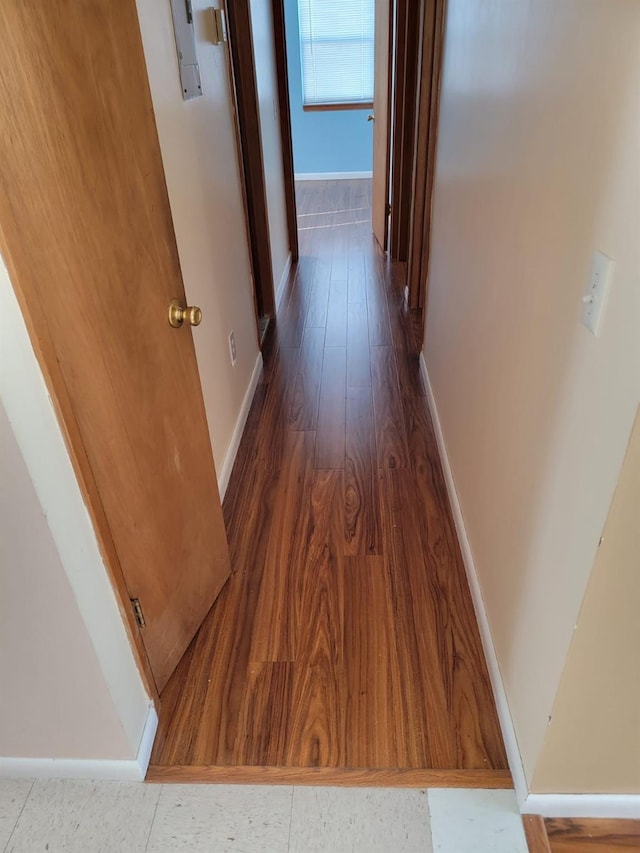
{"points": [[146, 741], [86, 768], [331, 176], [500, 696], [230, 458], [283, 282], [583, 805], [547, 805]]}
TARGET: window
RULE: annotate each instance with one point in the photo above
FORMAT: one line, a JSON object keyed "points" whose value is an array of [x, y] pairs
{"points": [[336, 47]]}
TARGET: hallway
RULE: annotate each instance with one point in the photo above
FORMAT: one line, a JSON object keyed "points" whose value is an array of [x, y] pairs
{"points": [[344, 647]]}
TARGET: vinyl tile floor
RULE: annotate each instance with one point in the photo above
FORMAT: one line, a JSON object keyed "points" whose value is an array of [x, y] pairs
{"points": [[56, 816]]}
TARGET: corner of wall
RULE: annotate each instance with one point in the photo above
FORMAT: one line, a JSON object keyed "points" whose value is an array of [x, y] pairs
{"points": [[35, 426], [497, 684], [227, 467]]}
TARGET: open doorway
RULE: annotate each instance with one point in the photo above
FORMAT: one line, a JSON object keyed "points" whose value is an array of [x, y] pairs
{"points": [[337, 61], [363, 86], [283, 101], [298, 121]]}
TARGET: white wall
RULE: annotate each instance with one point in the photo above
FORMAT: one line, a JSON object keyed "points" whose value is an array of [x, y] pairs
{"points": [[593, 739], [267, 82], [55, 701], [537, 167], [97, 707], [197, 140], [70, 685]]}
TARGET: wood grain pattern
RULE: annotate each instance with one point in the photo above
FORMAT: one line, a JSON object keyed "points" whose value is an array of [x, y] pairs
{"points": [[331, 431], [209, 685], [356, 273], [402, 334], [376, 690], [244, 90], [381, 129], [284, 116], [336, 334], [263, 719], [391, 439], [472, 733], [423, 150], [275, 628], [345, 650], [595, 835], [93, 259], [339, 776], [428, 742], [304, 405], [408, 22], [269, 442], [316, 734], [319, 298], [361, 499], [358, 360], [291, 319], [378, 314], [536, 834], [426, 146]]}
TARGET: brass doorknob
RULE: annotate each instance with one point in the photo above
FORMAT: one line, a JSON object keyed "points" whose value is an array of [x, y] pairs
{"points": [[371, 117], [177, 314]]}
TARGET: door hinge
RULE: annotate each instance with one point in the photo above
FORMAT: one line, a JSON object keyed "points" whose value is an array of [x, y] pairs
{"points": [[137, 609]]}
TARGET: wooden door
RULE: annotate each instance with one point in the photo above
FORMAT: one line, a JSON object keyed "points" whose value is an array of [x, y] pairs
{"points": [[381, 99], [407, 26], [86, 230], [425, 144], [244, 90], [284, 114]]}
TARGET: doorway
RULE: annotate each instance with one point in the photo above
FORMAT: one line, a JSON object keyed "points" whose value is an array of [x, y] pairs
{"points": [[333, 127], [382, 128], [330, 56]]}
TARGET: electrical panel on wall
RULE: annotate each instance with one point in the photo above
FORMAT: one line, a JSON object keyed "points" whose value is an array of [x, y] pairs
{"points": [[185, 36]]}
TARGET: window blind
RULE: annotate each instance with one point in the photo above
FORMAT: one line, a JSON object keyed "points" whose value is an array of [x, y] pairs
{"points": [[336, 48]]}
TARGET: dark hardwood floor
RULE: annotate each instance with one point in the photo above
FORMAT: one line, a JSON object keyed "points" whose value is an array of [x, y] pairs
{"points": [[581, 835], [344, 648], [597, 835]]}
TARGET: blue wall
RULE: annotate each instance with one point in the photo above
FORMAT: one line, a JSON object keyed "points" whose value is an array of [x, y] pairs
{"points": [[327, 140]]}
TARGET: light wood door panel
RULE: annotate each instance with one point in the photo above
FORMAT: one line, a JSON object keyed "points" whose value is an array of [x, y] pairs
{"points": [[87, 232], [380, 182]]}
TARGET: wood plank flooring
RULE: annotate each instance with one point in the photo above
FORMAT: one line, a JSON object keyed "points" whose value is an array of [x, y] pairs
{"points": [[344, 647], [596, 835], [581, 835]]}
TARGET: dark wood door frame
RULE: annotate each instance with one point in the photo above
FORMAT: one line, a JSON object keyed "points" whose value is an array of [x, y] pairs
{"points": [[284, 112], [404, 67], [244, 90], [416, 66], [425, 144], [382, 104]]}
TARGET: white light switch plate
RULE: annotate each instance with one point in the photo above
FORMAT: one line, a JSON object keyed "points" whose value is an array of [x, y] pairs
{"points": [[597, 292]]}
